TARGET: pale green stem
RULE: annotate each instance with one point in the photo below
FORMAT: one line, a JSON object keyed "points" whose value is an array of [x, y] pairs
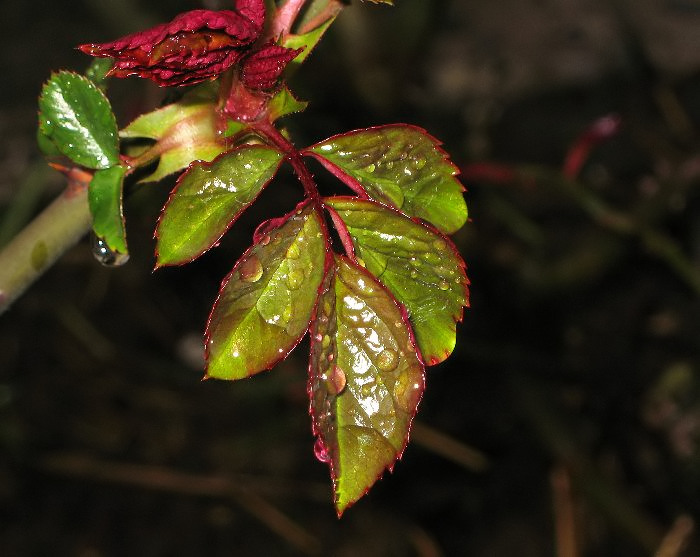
{"points": [[42, 242]]}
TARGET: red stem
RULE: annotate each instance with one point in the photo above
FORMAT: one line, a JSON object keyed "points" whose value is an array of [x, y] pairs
{"points": [[269, 132]]}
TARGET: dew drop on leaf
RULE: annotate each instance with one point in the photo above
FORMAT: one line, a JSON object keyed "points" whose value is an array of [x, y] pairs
{"points": [[370, 168], [444, 285], [295, 278], [325, 341], [335, 381], [293, 252], [414, 273], [251, 269], [321, 451], [106, 256], [265, 240], [387, 360]]}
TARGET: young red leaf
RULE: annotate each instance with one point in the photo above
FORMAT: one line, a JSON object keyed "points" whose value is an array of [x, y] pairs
{"points": [[365, 380], [208, 198], [263, 68], [399, 165], [420, 266], [265, 303], [195, 46]]}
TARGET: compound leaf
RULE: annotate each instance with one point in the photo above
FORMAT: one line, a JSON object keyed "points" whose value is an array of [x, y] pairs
{"points": [[400, 165], [365, 380], [265, 303], [420, 266], [208, 198]]}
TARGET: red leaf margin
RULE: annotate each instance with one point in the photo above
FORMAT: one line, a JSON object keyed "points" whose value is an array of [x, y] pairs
{"points": [[232, 220], [327, 262], [329, 277]]}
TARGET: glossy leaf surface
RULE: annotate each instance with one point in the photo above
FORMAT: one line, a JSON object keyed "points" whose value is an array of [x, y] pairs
{"points": [[208, 198], [365, 380], [78, 118], [265, 303], [399, 165], [419, 265], [105, 199]]}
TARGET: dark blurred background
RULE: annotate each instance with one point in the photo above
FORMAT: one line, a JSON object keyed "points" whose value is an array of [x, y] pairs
{"points": [[566, 423]]}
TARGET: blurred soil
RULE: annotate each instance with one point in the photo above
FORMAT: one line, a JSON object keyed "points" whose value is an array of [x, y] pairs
{"points": [[577, 369]]}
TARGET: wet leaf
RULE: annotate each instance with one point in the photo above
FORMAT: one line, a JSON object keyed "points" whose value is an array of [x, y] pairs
{"points": [[265, 303], [208, 198], [420, 266], [184, 131], [399, 165], [105, 199], [365, 380], [78, 118]]}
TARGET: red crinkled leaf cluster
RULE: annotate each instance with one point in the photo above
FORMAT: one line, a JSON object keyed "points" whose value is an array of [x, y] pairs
{"points": [[199, 45]]}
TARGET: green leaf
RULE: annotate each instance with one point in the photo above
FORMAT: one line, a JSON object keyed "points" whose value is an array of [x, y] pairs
{"points": [[265, 303], [420, 266], [105, 199], [78, 118], [365, 380], [208, 198], [399, 165], [184, 132], [307, 41], [283, 104]]}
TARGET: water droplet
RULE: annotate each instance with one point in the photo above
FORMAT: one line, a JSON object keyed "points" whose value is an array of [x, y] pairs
{"points": [[293, 251], [414, 273], [398, 324], [439, 244], [415, 262], [360, 262], [325, 341], [287, 313], [107, 257], [327, 148], [321, 451], [335, 381], [370, 168], [265, 240], [407, 393], [318, 337], [367, 389], [295, 278], [387, 360], [251, 269], [444, 285], [419, 163]]}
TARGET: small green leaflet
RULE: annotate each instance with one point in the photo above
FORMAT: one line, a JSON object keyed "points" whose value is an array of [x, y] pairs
{"points": [[184, 132], [365, 380], [208, 198], [399, 165], [420, 266], [77, 117], [283, 104], [307, 41], [265, 304], [105, 199]]}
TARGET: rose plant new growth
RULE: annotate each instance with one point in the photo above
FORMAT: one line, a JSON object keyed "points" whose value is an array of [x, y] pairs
{"points": [[379, 297]]}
